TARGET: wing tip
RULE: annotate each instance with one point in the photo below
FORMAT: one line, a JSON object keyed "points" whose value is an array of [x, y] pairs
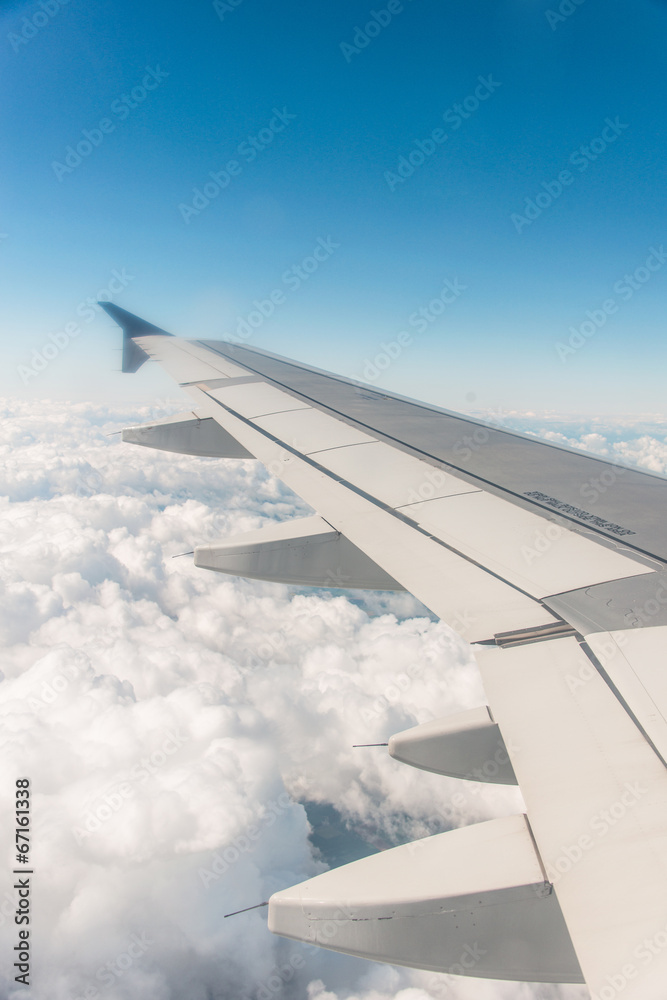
{"points": [[132, 326]]}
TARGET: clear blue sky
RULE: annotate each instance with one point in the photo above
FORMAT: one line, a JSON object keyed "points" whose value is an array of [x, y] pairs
{"points": [[547, 84]]}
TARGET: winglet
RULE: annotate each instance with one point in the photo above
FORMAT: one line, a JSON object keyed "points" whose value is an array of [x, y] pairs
{"points": [[132, 326]]}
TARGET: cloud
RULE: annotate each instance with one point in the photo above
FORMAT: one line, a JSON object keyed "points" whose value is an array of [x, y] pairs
{"points": [[174, 723], [630, 440]]}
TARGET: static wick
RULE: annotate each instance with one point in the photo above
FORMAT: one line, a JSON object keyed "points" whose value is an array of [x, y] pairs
{"points": [[246, 908], [179, 554], [354, 745]]}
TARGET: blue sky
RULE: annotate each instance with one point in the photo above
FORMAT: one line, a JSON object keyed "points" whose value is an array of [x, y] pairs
{"points": [[564, 90]]}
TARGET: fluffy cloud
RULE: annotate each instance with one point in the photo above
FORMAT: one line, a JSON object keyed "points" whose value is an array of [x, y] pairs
{"points": [[174, 722], [631, 441]]}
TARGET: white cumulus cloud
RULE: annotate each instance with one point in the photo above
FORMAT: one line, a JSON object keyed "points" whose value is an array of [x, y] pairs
{"points": [[175, 723]]}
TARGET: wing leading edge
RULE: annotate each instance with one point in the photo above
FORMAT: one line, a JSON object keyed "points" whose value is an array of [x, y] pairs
{"points": [[553, 562]]}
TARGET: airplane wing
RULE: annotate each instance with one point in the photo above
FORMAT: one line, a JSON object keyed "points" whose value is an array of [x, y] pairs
{"points": [[551, 562]]}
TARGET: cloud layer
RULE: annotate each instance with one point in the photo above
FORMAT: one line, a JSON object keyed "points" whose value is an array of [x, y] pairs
{"points": [[173, 722]]}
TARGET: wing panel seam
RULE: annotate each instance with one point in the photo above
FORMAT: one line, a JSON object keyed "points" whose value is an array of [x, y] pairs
{"points": [[379, 504], [526, 503]]}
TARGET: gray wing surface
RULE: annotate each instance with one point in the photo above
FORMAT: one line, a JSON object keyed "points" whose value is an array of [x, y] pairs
{"points": [[552, 563]]}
